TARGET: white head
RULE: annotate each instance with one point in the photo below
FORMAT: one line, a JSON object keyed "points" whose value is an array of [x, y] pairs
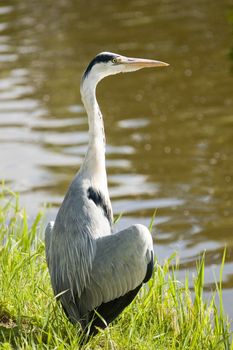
{"points": [[108, 63]]}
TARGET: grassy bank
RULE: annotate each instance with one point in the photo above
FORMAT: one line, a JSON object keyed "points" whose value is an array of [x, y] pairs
{"points": [[164, 316]]}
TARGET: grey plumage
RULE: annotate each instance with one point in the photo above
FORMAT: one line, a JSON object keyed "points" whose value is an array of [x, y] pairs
{"points": [[92, 268]]}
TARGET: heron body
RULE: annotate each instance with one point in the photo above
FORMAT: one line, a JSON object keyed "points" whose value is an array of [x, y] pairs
{"points": [[96, 272]]}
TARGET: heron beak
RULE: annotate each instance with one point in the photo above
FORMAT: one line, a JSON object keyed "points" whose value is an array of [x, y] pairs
{"points": [[138, 63]]}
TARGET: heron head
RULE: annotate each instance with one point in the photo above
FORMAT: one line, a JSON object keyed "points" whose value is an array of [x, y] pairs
{"points": [[108, 63]]}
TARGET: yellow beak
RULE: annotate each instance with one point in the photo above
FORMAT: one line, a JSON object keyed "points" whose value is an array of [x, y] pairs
{"points": [[138, 63]]}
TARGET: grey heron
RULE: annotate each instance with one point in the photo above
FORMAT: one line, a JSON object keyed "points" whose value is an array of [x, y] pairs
{"points": [[96, 272]]}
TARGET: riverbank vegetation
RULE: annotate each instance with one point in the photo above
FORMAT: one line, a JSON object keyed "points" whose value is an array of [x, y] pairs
{"points": [[166, 314]]}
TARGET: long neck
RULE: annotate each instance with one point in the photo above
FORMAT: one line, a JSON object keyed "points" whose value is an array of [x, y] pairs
{"points": [[94, 162], [95, 119]]}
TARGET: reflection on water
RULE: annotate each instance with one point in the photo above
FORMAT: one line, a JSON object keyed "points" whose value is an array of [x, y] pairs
{"points": [[169, 131]]}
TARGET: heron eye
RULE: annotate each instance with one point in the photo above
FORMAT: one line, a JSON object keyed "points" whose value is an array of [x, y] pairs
{"points": [[114, 60]]}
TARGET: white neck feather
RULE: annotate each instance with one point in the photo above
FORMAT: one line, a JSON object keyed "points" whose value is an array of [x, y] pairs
{"points": [[93, 166]]}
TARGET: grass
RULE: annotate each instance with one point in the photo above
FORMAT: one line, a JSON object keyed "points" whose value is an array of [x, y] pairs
{"points": [[165, 315]]}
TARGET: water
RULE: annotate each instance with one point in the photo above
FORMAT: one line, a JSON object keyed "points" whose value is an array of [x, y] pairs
{"points": [[169, 130]]}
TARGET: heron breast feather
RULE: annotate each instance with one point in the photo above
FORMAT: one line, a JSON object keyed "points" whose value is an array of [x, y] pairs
{"points": [[99, 200]]}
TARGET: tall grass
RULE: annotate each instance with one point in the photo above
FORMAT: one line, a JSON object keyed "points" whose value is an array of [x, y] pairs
{"points": [[165, 315]]}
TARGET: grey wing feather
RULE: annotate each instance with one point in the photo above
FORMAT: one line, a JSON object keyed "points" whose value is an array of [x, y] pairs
{"points": [[70, 249], [88, 271], [120, 265]]}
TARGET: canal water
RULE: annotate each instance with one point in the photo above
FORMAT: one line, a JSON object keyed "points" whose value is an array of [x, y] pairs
{"points": [[169, 131]]}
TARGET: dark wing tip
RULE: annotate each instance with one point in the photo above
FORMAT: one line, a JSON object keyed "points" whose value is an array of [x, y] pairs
{"points": [[109, 311], [150, 268]]}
